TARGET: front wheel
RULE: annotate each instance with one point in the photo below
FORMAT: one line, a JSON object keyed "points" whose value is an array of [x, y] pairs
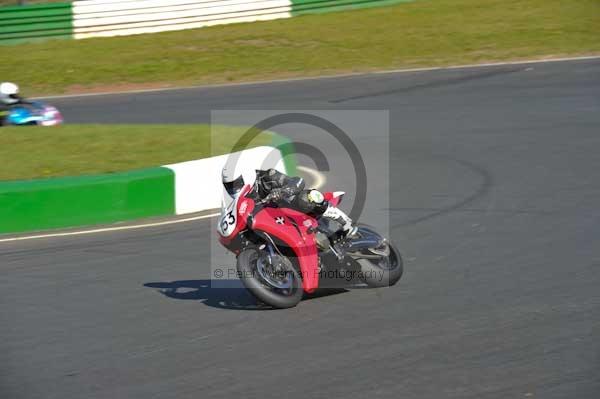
{"points": [[273, 280], [383, 271]]}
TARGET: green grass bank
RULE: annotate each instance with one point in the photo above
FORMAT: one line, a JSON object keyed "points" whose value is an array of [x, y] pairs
{"points": [[71, 150], [420, 33]]}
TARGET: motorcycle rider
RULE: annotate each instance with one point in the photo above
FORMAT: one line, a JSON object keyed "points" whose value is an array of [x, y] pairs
{"points": [[9, 98], [281, 188]]}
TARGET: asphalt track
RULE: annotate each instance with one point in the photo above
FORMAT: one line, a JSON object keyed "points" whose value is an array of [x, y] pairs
{"points": [[495, 202]]}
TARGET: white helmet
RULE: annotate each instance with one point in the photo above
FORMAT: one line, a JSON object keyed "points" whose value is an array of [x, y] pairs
{"points": [[233, 183], [9, 93]]}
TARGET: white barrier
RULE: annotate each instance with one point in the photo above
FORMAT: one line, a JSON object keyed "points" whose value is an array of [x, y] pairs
{"points": [[198, 184], [104, 18]]}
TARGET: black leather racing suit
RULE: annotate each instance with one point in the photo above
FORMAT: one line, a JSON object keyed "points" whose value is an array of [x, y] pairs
{"points": [[288, 190]]}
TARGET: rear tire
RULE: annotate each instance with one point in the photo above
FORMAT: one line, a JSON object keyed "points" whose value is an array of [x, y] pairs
{"points": [[261, 289], [382, 274]]}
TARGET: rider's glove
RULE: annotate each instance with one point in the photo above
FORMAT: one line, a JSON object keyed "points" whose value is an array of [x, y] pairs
{"points": [[280, 193], [288, 191], [274, 196]]}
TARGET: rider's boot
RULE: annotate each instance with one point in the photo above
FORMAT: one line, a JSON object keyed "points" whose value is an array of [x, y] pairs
{"points": [[339, 216]]}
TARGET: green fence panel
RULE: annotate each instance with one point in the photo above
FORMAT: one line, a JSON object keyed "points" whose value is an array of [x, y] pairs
{"points": [[18, 24], [34, 27], [34, 11]]}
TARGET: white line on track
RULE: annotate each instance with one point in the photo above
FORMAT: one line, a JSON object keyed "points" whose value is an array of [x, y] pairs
{"points": [[108, 229], [319, 181], [342, 75]]}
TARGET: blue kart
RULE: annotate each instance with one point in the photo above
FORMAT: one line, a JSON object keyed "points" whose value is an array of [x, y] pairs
{"points": [[34, 113]]}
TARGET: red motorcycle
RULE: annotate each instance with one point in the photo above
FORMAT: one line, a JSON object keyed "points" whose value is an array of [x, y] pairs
{"points": [[283, 253]]}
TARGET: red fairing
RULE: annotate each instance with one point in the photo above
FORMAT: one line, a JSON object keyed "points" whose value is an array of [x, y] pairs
{"points": [[279, 223]]}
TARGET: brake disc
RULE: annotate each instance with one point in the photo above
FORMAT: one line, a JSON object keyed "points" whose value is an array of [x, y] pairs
{"points": [[277, 276]]}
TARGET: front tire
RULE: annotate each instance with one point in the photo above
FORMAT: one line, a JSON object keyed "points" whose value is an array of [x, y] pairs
{"points": [[266, 289]]}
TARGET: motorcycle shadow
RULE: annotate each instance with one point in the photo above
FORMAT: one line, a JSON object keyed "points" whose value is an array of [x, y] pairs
{"points": [[223, 294]]}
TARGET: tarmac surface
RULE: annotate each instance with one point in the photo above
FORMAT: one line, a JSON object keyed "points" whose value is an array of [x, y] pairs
{"points": [[493, 184]]}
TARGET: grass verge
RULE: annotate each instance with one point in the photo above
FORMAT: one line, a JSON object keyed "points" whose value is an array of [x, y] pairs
{"points": [[34, 152], [422, 33]]}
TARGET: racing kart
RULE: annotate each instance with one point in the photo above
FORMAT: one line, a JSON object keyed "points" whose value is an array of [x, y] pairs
{"points": [[283, 253], [34, 113]]}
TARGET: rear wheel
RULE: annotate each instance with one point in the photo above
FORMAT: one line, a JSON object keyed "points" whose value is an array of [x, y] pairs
{"points": [[382, 271], [273, 280]]}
